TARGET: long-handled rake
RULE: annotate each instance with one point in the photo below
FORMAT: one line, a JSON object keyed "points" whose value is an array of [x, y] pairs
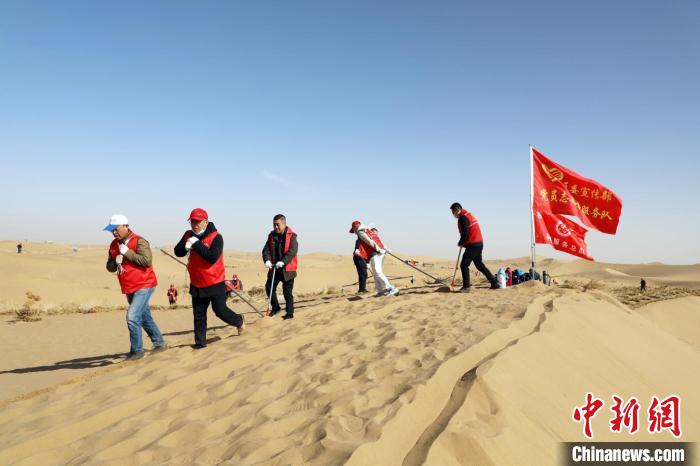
{"points": [[442, 289]]}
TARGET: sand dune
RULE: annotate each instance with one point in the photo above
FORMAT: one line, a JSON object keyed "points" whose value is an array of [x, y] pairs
{"points": [[520, 405], [311, 391], [489, 377], [679, 317]]}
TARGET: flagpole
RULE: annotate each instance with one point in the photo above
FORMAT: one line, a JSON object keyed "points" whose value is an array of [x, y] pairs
{"points": [[532, 214]]}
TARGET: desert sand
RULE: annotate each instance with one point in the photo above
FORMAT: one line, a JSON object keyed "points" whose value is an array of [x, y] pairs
{"points": [[489, 377]]}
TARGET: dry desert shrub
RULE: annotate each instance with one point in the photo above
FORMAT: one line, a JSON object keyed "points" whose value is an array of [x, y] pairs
{"points": [[594, 285], [571, 285], [29, 311], [633, 297]]}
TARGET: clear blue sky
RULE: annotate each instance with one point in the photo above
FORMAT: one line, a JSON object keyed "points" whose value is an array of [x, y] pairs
{"points": [[328, 111]]}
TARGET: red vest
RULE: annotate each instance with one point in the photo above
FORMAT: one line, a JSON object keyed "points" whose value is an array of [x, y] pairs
{"points": [[134, 277], [292, 266], [474, 229], [367, 251], [203, 273]]}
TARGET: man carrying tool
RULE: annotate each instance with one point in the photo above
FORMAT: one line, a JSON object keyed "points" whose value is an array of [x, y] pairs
{"points": [[130, 256], [280, 251], [361, 266], [473, 243], [207, 275], [373, 251]]}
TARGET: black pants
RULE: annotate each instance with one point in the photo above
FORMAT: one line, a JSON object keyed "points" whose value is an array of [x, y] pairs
{"points": [[218, 305], [473, 254], [287, 287], [361, 266]]}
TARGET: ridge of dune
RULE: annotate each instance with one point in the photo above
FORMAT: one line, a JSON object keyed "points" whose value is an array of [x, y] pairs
{"points": [[399, 442], [583, 345], [482, 407]]}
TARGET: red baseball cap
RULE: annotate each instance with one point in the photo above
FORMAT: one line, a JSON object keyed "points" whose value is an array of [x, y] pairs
{"points": [[354, 225], [198, 214]]}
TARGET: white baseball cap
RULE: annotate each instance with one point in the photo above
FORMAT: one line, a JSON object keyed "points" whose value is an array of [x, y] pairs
{"points": [[116, 220]]}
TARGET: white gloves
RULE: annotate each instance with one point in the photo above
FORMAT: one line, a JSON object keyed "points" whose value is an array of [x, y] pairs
{"points": [[381, 251], [387, 250], [190, 242], [268, 264], [123, 248], [279, 265], [357, 252]]}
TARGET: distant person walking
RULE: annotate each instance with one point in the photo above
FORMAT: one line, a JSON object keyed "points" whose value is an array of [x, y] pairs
{"points": [[642, 285], [372, 250], [205, 245], [172, 295], [472, 241], [19, 248], [130, 257], [280, 251]]}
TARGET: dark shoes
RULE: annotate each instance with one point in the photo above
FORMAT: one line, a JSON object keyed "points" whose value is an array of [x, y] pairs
{"points": [[241, 328], [288, 316], [134, 356], [465, 290], [494, 286], [198, 346], [159, 349]]}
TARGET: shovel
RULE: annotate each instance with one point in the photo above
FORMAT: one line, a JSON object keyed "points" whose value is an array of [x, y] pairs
{"points": [[442, 289]]}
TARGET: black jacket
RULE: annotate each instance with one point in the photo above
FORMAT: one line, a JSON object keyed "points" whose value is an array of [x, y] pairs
{"points": [[210, 254], [278, 248]]}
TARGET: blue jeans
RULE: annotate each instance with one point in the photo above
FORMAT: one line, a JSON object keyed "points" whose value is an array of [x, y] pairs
{"points": [[139, 315]]}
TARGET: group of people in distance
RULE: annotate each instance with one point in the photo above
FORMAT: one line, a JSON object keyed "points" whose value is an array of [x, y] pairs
{"points": [[131, 259]]}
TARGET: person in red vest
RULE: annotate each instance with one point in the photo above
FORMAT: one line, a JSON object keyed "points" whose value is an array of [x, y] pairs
{"points": [[473, 243], [372, 250], [130, 257], [509, 277], [205, 246], [172, 295], [280, 251]]}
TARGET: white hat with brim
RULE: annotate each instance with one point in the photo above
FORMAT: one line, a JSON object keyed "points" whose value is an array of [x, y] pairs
{"points": [[116, 220]]}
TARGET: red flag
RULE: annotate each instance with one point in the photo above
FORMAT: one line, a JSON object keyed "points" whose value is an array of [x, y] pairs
{"points": [[560, 190], [562, 233]]}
